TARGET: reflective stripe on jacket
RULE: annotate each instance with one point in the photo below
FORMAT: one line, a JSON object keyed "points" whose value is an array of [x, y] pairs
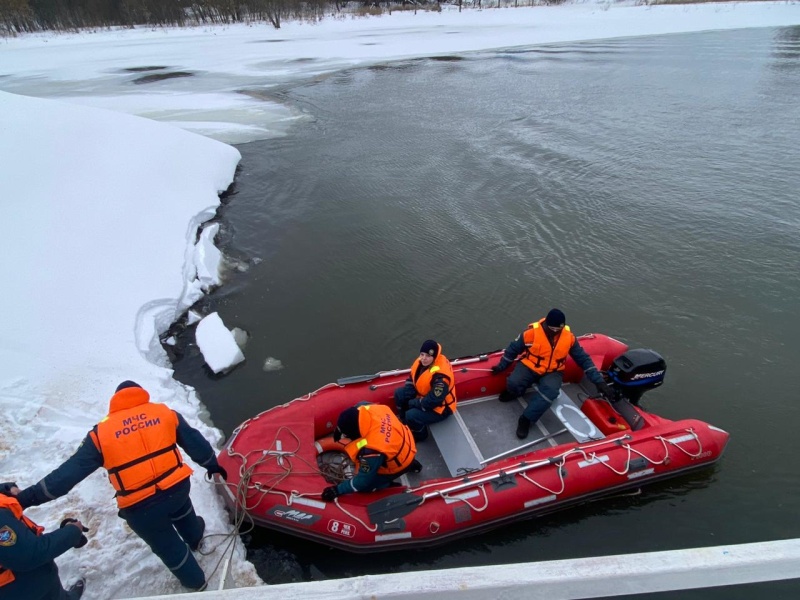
{"points": [[12, 504], [541, 357], [139, 447], [422, 383], [385, 434]]}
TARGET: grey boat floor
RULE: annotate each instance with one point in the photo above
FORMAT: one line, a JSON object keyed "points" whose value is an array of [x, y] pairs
{"points": [[484, 430]]}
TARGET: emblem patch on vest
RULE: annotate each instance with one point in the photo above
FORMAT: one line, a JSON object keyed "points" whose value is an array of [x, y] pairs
{"points": [[8, 537]]}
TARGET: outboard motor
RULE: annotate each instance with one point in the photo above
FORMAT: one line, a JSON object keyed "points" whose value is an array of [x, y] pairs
{"points": [[635, 372]]}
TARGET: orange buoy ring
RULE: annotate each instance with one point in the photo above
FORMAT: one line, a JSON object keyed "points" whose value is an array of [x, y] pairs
{"points": [[326, 444]]}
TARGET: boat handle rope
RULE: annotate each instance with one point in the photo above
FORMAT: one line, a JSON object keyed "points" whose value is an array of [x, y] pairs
{"points": [[686, 452], [371, 529], [560, 460], [447, 496], [559, 467]]}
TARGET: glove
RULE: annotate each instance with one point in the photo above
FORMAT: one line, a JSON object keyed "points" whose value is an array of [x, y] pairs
{"points": [[216, 469], [83, 541], [500, 367], [337, 435], [329, 493], [6, 487], [414, 404], [605, 390]]}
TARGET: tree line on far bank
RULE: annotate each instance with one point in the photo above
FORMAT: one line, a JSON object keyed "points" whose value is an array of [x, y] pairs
{"points": [[21, 16]]}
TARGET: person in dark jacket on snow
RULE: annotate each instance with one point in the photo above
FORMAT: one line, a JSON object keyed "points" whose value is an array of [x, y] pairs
{"points": [[545, 346], [137, 443], [27, 566]]}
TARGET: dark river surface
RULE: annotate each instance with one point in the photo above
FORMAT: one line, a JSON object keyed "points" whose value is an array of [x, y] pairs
{"points": [[650, 187]]}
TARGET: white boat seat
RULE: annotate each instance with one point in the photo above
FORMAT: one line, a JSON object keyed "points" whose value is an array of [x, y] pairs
{"points": [[459, 450], [577, 423]]}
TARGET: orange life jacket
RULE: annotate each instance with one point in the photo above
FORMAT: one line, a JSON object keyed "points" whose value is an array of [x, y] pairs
{"points": [[138, 442], [541, 357], [12, 504], [423, 383], [385, 434]]}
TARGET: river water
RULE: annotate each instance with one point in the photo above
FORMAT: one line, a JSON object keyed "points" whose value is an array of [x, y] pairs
{"points": [[647, 186]]}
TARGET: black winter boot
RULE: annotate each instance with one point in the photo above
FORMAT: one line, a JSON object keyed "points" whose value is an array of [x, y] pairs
{"points": [[416, 466], [506, 396], [523, 426], [76, 590]]}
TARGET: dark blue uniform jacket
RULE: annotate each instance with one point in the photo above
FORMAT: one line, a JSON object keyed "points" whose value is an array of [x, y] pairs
{"points": [[30, 558], [87, 459]]}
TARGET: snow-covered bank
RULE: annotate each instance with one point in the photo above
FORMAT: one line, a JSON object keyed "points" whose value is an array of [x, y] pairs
{"points": [[101, 213], [96, 69]]}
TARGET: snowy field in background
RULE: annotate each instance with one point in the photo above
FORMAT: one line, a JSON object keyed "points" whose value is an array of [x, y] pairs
{"points": [[233, 67], [102, 211]]}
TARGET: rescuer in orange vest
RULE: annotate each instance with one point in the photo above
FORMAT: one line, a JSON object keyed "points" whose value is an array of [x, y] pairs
{"points": [[27, 568], [429, 394], [137, 443], [545, 346], [380, 445]]}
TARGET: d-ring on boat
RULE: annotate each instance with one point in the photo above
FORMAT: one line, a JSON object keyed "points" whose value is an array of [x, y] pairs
{"points": [[477, 475]]}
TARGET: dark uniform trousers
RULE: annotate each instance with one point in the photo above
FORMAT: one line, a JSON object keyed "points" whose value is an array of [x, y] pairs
{"points": [[168, 524]]}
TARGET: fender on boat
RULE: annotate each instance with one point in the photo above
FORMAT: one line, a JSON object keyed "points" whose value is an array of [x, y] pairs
{"points": [[328, 444]]}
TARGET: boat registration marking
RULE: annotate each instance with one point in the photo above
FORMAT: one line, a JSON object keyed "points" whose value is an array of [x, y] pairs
{"points": [[392, 536], [341, 528], [683, 438], [641, 473], [595, 460], [459, 497], [308, 502], [543, 500]]}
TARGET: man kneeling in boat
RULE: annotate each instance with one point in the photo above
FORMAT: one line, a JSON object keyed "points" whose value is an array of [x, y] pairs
{"points": [[546, 345], [429, 394], [380, 445]]}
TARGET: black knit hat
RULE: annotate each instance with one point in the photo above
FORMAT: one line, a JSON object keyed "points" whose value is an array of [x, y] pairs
{"points": [[348, 423], [126, 384], [555, 318], [429, 347]]}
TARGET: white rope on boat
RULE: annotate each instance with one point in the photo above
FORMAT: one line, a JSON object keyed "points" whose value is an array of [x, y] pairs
{"points": [[559, 466], [352, 516]]}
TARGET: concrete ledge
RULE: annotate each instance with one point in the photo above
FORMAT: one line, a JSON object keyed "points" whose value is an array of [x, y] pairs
{"points": [[592, 577]]}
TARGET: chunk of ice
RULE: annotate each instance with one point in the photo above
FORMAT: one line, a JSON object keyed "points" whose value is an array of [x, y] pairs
{"points": [[217, 344]]}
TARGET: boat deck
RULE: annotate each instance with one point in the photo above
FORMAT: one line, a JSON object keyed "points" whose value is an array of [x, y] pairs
{"points": [[484, 429]]}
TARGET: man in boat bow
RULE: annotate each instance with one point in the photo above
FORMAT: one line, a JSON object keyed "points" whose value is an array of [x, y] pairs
{"points": [[546, 345], [429, 394], [380, 445]]}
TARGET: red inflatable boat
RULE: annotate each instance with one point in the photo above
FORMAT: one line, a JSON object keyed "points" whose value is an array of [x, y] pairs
{"points": [[476, 474]]}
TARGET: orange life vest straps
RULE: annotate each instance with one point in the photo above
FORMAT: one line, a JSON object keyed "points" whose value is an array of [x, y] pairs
{"points": [[383, 432], [542, 356], [423, 379], [405, 449], [116, 470], [138, 442]]}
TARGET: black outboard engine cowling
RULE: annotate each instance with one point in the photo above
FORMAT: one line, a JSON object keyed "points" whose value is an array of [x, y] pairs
{"points": [[637, 371]]}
